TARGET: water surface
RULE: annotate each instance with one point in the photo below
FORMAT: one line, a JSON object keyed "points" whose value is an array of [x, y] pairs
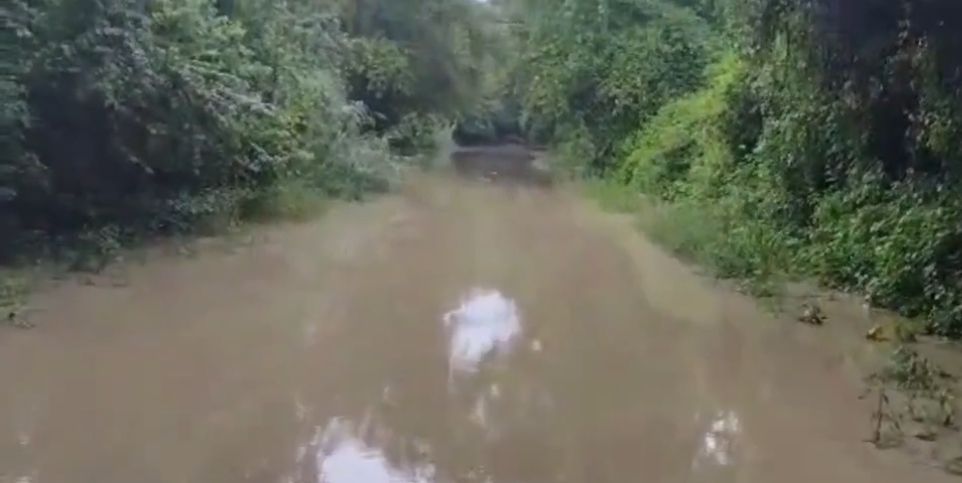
{"points": [[478, 326]]}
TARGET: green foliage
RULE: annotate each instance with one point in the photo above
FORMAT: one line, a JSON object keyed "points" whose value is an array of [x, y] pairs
{"points": [[413, 133], [601, 68], [124, 118], [573, 150], [855, 115], [13, 293], [723, 239], [653, 64], [614, 196], [897, 243], [417, 57], [377, 67], [379, 75], [292, 199], [821, 140], [687, 141]]}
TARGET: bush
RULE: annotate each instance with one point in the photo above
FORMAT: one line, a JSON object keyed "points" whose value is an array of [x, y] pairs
{"points": [[175, 115], [805, 155], [600, 70], [899, 244], [684, 149]]}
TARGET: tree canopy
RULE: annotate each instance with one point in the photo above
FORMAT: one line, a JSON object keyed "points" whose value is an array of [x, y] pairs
{"points": [[123, 117]]}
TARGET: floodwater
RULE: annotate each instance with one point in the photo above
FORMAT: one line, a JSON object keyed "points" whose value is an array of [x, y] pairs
{"points": [[478, 326]]}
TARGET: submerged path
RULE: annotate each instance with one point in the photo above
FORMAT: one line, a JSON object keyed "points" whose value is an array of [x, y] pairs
{"points": [[477, 326]]}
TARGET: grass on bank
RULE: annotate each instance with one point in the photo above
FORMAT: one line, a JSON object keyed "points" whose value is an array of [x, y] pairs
{"points": [[703, 235], [743, 215]]}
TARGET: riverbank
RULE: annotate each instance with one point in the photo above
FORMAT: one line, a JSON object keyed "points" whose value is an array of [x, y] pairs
{"points": [[913, 377]]}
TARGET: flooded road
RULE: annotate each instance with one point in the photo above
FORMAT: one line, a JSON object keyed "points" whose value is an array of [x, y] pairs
{"points": [[481, 327]]}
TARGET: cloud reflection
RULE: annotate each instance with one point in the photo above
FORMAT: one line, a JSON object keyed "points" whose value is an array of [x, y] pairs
{"points": [[485, 323], [342, 455], [719, 442]]}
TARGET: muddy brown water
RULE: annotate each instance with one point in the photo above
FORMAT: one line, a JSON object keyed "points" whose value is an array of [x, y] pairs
{"points": [[481, 327]]}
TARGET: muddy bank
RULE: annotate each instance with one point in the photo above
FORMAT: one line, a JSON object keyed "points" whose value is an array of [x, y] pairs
{"points": [[460, 330]]}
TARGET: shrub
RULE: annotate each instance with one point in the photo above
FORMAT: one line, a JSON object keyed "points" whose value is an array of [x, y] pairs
{"points": [[175, 115], [684, 148], [807, 155], [601, 69]]}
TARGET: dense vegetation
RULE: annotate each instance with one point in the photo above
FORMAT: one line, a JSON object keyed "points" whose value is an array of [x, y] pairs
{"points": [[126, 118], [786, 137]]}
